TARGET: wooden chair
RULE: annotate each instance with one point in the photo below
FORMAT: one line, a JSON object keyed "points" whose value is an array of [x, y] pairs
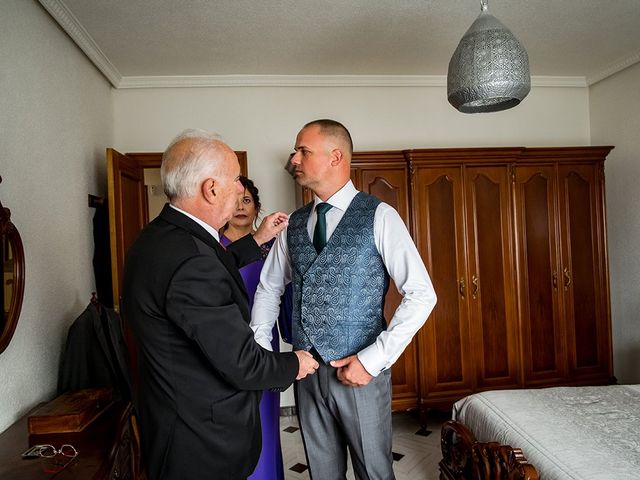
{"points": [[464, 458]]}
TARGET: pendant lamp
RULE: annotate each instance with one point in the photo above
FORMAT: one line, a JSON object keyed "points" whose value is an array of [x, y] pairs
{"points": [[489, 71]]}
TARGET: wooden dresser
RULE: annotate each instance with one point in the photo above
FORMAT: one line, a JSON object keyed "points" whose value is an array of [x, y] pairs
{"points": [[104, 449]]}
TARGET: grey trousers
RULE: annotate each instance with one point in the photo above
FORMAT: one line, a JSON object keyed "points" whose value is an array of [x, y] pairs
{"points": [[334, 417]]}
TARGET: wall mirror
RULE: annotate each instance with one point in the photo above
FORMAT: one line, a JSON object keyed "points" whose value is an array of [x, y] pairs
{"points": [[12, 255]]}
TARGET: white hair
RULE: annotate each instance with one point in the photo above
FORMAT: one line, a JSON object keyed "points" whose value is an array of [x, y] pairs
{"points": [[182, 170]]}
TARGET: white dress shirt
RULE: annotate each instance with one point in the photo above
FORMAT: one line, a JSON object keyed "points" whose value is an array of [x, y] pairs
{"points": [[401, 259]]}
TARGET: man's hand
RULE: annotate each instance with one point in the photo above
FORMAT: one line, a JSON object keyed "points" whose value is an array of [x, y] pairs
{"points": [[351, 372], [270, 226], [307, 364]]}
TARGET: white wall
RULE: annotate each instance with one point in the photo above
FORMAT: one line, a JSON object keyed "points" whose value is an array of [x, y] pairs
{"points": [[56, 118], [265, 120], [615, 120]]}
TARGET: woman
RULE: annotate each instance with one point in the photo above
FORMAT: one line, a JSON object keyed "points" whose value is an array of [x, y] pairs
{"points": [[244, 222]]}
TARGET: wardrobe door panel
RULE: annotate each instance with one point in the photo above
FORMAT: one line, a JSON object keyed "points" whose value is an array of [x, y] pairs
{"points": [[445, 356], [492, 305], [390, 184], [583, 284], [544, 357]]}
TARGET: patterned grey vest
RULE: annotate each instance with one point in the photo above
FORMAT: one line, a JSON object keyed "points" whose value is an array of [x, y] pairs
{"points": [[338, 295]]}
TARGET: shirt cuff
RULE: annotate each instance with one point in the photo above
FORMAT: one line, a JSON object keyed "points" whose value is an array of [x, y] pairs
{"points": [[264, 343], [372, 360]]}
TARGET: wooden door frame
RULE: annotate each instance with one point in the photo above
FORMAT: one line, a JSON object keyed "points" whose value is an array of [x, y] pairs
{"points": [[143, 160]]}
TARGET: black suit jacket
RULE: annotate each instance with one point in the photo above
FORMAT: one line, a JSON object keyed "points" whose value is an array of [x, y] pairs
{"points": [[201, 372], [95, 354]]}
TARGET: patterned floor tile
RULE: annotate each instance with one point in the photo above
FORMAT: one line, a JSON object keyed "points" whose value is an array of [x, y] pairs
{"points": [[299, 468], [416, 457]]}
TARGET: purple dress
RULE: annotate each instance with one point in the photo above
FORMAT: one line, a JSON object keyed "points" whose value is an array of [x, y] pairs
{"points": [[270, 463]]}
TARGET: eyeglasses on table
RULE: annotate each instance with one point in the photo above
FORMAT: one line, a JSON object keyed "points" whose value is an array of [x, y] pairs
{"points": [[50, 452]]}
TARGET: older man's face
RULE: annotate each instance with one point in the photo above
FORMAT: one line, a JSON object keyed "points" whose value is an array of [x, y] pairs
{"points": [[228, 186]]}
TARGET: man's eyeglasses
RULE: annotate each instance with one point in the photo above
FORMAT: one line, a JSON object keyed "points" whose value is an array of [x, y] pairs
{"points": [[49, 451]]}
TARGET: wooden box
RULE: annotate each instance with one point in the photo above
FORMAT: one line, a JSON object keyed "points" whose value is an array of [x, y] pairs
{"points": [[70, 412]]}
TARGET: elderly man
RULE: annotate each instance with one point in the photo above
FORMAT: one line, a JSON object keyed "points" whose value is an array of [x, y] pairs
{"points": [[201, 372]]}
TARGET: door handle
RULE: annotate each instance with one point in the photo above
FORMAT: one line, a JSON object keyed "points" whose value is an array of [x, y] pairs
{"points": [[476, 287], [567, 278], [461, 287]]}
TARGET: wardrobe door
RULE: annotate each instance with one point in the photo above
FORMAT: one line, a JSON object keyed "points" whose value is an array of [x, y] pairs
{"points": [[444, 345], [390, 184], [539, 276], [491, 276], [584, 284]]}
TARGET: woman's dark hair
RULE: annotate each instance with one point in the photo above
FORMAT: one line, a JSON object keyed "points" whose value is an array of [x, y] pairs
{"points": [[249, 186]]}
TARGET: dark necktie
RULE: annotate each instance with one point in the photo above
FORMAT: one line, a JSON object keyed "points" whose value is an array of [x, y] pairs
{"points": [[320, 232]]}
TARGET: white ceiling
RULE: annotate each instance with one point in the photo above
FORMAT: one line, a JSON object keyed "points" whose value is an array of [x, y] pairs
{"points": [[141, 40]]}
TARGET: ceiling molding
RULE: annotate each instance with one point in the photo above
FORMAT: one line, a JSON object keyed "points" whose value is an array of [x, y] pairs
{"points": [[317, 81], [613, 69], [284, 81], [555, 82], [70, 24]]}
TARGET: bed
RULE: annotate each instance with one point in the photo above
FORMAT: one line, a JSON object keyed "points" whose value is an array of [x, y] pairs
{"points": [[564, 433]]}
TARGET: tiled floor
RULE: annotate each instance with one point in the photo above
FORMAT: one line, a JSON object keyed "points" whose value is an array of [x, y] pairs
{"points": [[416, 456]]}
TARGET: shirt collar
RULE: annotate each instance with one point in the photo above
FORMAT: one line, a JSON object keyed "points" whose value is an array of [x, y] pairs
{"points": [[203, 224], [341, 199]]}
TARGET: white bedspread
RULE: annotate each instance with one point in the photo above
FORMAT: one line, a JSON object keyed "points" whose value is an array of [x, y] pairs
{"points": [[579, 433]]}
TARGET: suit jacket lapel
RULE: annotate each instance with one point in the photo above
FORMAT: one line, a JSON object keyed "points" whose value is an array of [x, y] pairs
{"points": [[171, 215], [228, 261]]}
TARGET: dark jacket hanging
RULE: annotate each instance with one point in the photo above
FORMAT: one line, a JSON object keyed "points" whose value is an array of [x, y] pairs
{"points": [[95, 354]]}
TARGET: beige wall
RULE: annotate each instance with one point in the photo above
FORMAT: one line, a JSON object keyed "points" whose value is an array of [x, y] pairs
{"points": [[615, 120], [56, 118]]}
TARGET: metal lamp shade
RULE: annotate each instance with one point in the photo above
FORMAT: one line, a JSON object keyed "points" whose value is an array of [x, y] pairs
{"points": [[489, 71]]}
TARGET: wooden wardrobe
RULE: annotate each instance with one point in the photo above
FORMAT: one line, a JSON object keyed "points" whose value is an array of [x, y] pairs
{"points": [[515, 242]]}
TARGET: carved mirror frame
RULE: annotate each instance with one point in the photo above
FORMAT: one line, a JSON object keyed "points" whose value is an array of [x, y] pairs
{"points": [[12, 276]]}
